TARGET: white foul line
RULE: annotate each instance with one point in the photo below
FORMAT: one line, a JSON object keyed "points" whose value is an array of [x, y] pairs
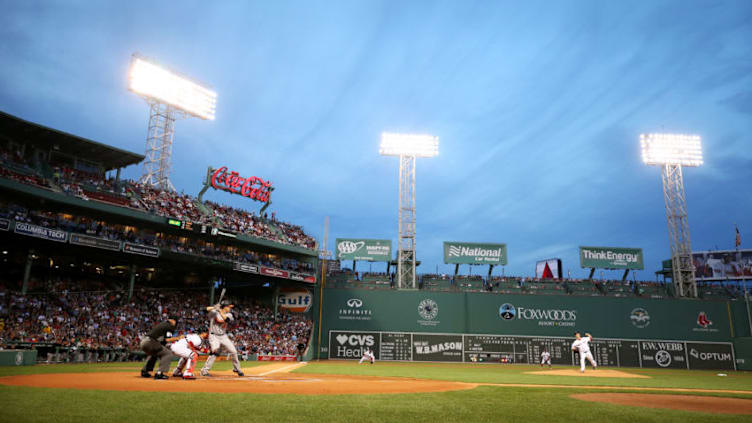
{"points": [[283, 368]]}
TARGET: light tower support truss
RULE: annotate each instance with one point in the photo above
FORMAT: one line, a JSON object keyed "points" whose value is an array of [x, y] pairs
{"points": [[671, 152], [407, 147], [406, 242], [678, 230], [161, 132]]}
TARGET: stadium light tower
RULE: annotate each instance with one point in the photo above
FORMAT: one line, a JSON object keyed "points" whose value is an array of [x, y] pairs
{"points": [[169, 95], [671, 152], [407, 147]]}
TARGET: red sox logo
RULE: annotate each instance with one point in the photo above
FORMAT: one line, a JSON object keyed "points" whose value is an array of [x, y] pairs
{"points": [[703, 321]]}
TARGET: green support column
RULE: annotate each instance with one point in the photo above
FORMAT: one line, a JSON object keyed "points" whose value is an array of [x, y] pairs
{"points": [[276, 300], [27, 272], [132, 281]]}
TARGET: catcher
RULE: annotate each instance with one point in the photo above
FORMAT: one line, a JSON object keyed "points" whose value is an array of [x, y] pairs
{"points": [[218, 318]]}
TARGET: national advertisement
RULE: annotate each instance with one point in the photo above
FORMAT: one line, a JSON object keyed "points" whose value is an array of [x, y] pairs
{"points": [[475, 253], [364, 249], [611, 258], [4, 224]]}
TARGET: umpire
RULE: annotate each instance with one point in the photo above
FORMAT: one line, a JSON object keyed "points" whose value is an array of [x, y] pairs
{"points": [[153, 345]]}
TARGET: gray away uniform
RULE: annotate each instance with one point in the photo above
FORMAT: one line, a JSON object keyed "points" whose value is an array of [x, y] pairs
{"points": [[217, 339]]}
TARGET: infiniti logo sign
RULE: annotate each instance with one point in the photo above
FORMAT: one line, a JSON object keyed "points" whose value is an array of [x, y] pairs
{"points": [[354, 310]]}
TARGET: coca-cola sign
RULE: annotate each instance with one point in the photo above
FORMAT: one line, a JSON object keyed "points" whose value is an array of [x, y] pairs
{"points": [[268, 271], [252, 187]]}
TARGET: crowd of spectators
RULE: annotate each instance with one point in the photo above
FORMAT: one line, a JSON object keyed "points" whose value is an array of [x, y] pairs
{"points": [[344, 278], [101, 229], [90, 316], [88, 184], [167, 203]]}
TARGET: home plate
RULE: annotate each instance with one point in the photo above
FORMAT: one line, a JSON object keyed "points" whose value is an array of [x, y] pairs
{"points": [[588, 373]]}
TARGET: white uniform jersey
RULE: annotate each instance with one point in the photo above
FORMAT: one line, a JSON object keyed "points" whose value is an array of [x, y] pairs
{"points": [[582, 345], [545, 356], [194, 339]]}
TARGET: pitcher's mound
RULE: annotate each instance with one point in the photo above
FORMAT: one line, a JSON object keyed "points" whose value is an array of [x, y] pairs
{"points": [[589, 373], [674, 402]]}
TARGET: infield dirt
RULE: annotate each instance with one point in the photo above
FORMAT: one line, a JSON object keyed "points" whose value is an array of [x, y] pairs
{"points": [[261, 382], [589, 373]]}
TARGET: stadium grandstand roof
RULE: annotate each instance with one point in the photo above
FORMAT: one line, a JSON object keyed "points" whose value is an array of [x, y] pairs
{"points": [[46, 138]]}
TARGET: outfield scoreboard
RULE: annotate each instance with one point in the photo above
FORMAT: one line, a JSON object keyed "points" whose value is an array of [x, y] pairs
{"points": [[403, 346]]}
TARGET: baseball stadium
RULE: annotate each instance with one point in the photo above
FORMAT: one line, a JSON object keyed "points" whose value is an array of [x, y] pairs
{"points": [[187, 284]]}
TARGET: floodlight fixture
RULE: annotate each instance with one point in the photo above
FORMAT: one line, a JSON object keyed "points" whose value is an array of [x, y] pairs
{"points": [[170, 96], [672, 152], [414, 145], [154, 81], [673, 149]]}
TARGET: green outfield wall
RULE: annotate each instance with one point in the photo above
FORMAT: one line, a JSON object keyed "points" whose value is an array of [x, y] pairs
{"points": [[693, 324], [18, 357]]}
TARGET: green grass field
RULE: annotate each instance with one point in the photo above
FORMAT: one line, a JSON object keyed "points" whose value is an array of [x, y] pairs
{"points": [[484, 403]]}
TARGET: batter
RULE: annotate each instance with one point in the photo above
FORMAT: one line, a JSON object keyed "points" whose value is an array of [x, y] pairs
{"points": [[218, 339]]}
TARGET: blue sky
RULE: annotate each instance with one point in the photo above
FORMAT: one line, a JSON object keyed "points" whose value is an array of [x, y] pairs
{"points": [[538, 107]]}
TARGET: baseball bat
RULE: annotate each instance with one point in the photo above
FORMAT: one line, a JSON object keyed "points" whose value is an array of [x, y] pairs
{"points": [[221, 296]]}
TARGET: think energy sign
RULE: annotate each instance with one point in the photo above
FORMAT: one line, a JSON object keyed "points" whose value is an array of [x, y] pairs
{"points": [[475, 253], [611, 258]]}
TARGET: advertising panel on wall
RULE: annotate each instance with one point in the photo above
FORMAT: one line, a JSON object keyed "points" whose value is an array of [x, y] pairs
{"points": [[722, 265], [608, 352], [349, 345], [364, 249], [611, 258], [90, 241], [297, 300], [41, 232], [475, 253], [142, 250], [548, 269], [434, 347], [529, 315]]}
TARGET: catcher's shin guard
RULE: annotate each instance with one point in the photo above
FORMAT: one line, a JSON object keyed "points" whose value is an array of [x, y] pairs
{"points": [[192, 359]]}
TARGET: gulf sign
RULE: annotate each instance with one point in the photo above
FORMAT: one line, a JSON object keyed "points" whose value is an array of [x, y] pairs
{"points": [[295, 300]]}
